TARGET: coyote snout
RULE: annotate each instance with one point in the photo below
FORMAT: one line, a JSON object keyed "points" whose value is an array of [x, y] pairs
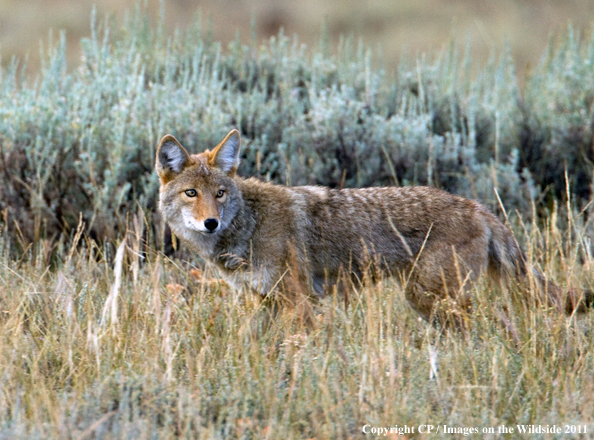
{"points": [[270, 238], [208, 226], [201, 212]]}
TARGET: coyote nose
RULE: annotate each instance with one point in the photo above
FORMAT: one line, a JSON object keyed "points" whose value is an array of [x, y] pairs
{"points": [[211, 224]]}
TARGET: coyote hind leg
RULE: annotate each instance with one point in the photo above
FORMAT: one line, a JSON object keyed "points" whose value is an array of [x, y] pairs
{"points": [[444, 306], [439, 285]]}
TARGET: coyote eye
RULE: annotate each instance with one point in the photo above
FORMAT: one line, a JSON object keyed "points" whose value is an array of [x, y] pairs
{"points": [[221, 193], [191, 193]]}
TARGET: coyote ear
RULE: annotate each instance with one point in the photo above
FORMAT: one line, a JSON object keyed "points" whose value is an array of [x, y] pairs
{"points": [[172, 158], [226, 155]]}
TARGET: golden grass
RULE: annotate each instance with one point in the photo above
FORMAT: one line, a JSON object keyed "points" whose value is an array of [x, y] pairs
{"points": [[122, 342]]}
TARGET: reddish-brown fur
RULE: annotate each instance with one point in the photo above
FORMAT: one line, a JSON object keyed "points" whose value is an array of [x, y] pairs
{"points": [[287, 239]]}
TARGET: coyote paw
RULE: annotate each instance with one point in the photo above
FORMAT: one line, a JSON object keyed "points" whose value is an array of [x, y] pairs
{"points": [[233, 262]]}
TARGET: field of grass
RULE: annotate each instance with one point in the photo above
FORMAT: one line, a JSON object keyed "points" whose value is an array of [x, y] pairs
{"points": [[149, 347], [107, 333]]}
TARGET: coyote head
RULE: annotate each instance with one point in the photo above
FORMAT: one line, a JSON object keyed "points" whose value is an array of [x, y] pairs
{"points": [[198, 192]]}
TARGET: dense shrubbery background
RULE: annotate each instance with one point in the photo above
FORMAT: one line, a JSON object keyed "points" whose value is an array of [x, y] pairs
{"points": [[84, 141]]}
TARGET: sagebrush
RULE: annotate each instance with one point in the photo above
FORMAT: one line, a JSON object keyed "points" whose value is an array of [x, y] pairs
{"points": [[83, 140]]}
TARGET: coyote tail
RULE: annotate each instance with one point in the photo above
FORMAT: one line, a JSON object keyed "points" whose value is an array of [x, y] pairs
{"points": [[508, 261]]}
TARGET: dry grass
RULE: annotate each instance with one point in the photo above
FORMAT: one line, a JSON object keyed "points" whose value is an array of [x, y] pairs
{"points": [[126, 343]]}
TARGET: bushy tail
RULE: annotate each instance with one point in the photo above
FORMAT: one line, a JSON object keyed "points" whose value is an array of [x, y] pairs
{"points": [[508, 261]]}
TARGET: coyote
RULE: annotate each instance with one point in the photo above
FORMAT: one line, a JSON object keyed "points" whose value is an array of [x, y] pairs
{"points": [[271, 238]]}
